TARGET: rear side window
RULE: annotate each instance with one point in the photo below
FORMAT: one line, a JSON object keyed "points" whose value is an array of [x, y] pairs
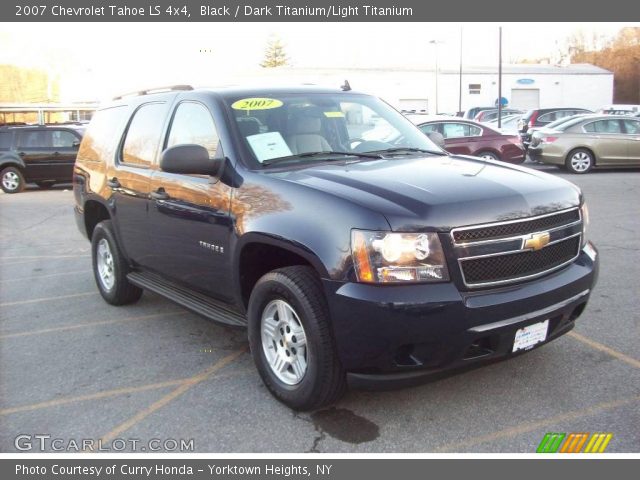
{"points": [[34, 139], [455, 130], [603, 126], [631, 126], [99, 141], [5, 140], [63, 139], [143, 135], [192, 123]]}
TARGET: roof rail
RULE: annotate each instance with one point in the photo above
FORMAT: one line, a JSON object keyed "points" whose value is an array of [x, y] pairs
{"points": [[150, 91]]}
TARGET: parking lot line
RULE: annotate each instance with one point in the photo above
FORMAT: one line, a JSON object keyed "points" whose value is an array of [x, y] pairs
{"points": [[47, 299], [531, 426], [34, 277], [91, 396], [184, 387], [603, 348], [91, 324]]}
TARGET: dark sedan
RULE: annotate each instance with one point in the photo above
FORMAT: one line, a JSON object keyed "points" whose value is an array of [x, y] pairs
{"points": [[466, 137]]}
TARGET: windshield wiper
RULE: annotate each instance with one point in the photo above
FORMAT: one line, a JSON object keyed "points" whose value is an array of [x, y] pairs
{"points": [[410, 150], [272, 161]]}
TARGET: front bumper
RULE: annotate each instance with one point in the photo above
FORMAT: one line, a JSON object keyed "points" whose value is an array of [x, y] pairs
{"points": [[398, 333]]}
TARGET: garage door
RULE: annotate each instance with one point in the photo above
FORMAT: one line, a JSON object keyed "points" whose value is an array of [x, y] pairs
{"points": [[525, 98]]}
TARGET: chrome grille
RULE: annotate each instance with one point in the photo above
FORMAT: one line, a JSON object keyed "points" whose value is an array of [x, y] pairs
{"points": [[510, 229], [497, 253]]}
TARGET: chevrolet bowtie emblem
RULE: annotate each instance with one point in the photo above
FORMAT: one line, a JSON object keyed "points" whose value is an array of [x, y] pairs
{"points": [[536, 241]]}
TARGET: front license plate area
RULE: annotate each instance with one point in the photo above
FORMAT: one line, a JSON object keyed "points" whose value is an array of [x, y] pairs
{"points": [[530, 335]]}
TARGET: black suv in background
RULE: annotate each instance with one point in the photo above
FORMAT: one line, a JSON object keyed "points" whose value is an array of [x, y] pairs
{"points": [[347, 257], [542, 117], [40, 154]]}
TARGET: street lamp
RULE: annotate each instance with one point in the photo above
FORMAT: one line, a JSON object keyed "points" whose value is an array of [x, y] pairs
{"points": [[435, 44]]}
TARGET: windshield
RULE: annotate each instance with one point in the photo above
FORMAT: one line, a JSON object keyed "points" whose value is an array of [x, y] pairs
{"points": [[315, 127]]}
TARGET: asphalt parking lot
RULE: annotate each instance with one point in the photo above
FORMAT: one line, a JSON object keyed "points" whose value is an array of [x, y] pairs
{"points": [[76, 368]]}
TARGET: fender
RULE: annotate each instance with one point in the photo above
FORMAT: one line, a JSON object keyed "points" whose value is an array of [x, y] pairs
{"points": [[11, 159]]}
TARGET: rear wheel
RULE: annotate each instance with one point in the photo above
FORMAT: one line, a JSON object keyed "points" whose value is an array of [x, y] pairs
{"points": [[110, 267], [291, 339], [580, 161], [488, 155], [12, 180]]}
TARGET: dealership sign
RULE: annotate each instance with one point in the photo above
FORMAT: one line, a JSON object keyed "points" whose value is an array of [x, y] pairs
{"points": [[525, 81]]}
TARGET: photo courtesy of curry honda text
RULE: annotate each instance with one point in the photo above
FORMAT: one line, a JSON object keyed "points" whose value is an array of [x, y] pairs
{"points": [[350, 258]]}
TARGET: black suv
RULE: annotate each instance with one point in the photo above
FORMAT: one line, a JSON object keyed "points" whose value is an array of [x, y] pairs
{"points": [[541, 117], [40, 154], [285, 211]]}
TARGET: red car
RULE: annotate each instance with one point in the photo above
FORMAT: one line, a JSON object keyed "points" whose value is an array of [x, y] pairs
{"points": [[466, 137]]}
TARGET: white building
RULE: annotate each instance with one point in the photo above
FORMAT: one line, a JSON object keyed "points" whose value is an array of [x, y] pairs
{"points": [[524, 86]]}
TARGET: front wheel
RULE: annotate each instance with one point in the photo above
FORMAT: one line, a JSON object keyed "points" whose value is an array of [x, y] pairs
{"points": [[579, 161], [110, 267], [291, 340], [12, 180]]}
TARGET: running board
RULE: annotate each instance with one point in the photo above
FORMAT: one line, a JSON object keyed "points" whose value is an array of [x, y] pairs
{"points": [[194, 301]]}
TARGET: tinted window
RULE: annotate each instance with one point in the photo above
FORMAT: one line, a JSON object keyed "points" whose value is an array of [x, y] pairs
{"points": [[454, 130], [5, 140], [142, 138], [631, 126], [192, 123], [99, 141], [603, 126], [63, 139], [34, 139]]}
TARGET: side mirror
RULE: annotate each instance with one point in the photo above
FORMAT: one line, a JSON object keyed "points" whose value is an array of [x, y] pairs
{"points": [[190, 159], [437, 138]]}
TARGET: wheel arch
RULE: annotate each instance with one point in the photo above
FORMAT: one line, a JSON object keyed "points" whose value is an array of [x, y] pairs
{"points": [[94, 212], [583, 147]]}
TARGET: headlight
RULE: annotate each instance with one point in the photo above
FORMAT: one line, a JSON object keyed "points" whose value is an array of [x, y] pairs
{"points": [[384, 257], [584, 213]]}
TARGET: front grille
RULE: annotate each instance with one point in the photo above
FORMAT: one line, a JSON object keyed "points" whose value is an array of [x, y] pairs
{"points": [[524, 227], [503, 268]]}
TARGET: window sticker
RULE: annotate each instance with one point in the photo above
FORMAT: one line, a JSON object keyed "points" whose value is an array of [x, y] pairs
{"points": [[268, 145], [334, 114], [256, 104]]}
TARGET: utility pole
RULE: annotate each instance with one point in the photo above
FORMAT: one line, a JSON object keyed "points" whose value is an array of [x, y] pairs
{"points": [[460, 85], [499, 77]]}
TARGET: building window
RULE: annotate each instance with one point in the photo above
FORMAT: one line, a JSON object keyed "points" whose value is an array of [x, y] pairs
{"points": [[474, 88]]}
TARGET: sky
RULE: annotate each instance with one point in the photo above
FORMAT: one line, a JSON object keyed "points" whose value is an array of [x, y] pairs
{"points": [[98, 60]]}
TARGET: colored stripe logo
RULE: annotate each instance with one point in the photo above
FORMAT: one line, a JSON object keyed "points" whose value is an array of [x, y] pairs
{"points": [[574, 443]]}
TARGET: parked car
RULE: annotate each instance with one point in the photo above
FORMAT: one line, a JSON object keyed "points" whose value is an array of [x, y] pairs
{"points": [[465, 137], [490, 115], [532, 132], [39, 154], [471, 113], [508, 125], [542, 117], [344, 257], [619, 109], [589, 141]]}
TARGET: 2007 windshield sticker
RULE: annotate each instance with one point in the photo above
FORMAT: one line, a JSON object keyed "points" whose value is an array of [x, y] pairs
{"points": [[256, 104]]}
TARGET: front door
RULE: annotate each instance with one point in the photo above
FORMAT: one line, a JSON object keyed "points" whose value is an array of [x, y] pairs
{"points": [[190, 214]]}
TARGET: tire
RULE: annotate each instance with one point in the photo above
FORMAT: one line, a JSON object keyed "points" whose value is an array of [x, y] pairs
{"points": [[110, 267], [12, 180], [580, 161], [45, 185], [487, 155], [296, 294]]}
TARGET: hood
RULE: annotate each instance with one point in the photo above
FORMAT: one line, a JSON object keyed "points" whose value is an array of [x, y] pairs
{"points": [[440, 193]]}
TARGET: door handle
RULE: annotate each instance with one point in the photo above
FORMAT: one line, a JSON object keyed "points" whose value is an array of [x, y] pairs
{"points": [[159, 194], [114, 183]]}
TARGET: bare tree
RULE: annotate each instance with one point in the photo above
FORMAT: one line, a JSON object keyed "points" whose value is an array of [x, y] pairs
{"points": [[274, 55]]}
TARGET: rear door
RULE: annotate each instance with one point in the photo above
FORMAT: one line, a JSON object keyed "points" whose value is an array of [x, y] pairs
{"points": [[190, 214], [64, 143], [461, 138], [130, 178], [632, 135], [608, 141]]}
